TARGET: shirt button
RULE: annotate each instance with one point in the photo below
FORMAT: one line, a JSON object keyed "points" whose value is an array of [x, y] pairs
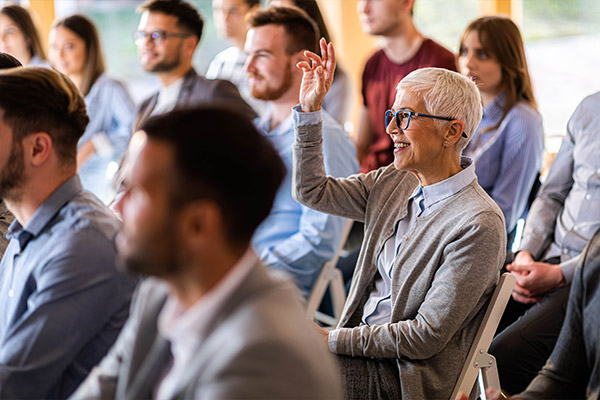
{"points": [[11, 293], [565, 251], [588, 196], [404, 238]]}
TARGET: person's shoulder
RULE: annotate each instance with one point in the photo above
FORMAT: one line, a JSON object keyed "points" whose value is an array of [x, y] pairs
{"points": [[591, 102], [437, 55], [376, 58], [85, 212]]}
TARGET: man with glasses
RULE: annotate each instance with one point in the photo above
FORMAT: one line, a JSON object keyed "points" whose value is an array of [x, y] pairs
{"points": [[167, 36]]}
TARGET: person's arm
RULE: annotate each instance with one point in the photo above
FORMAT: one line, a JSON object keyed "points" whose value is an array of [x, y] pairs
{"points": [[566, 373], [521, 160], [113, 133], [102, 381], [468, 271], [539, 227], [73, 300]]}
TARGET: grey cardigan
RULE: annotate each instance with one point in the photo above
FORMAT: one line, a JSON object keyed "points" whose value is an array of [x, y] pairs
{"points": [[445, 272]]}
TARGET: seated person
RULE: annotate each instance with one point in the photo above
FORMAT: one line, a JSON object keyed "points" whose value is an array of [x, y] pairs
{"points": [[210, 322], [293, 238], [508, 145], [573, 369], [434, 239], [6, 218], [562, 220], [64, 300]]}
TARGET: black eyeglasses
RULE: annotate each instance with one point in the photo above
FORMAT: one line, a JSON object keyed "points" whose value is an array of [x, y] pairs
{"points": [[403, 117], [156, 37]]}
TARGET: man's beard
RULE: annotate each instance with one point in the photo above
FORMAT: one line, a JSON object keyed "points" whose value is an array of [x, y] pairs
{"points": [[11, 175], [269, 93]]}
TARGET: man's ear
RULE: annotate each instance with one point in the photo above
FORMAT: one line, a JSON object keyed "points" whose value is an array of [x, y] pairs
{"points": [[454, 132], [37, 148], [190, 43], [201, 223]]}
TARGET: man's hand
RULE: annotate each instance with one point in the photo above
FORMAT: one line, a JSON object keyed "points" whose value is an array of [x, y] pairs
{"points": [[317, 77], [534, 279]]}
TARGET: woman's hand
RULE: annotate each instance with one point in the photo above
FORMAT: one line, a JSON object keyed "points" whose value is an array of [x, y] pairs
{"points": [[317, 76]]}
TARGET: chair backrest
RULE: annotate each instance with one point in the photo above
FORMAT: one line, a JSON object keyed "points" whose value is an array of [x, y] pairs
{"points": [[484, 335], [331, 277]]}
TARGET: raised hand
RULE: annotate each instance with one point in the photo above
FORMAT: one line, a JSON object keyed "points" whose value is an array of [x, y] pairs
{"points": [[317, 76]]}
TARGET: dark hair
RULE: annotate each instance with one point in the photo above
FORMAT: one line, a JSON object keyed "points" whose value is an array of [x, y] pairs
{"points": [[220, 155], [501, 40], [311, 7], [188, 17], [8, 61], [252, 3], [42, 100], [302, 31], [94, 60], [23, 19]]}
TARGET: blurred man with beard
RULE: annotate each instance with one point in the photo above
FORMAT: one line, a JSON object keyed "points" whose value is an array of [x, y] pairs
{"points": [[168, 34], [209, 322], [294, 238]]}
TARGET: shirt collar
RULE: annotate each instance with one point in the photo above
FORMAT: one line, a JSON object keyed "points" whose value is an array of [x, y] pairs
{"points": [[263, 123], [448, 187], [46, 212], [495, 109], [185, 327]]}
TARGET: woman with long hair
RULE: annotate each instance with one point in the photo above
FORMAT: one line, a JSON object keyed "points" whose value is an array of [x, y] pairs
{"points": [[76, 52], [20, 37], [508, 145]]}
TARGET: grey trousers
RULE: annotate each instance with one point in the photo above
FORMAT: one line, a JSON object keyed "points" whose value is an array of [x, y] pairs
{"points": [[368, 378]]}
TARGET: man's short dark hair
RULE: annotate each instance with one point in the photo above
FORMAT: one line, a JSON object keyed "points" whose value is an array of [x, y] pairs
{"points": [[302, 31], [219, 155], [252, 3], [8, 61], [42, 100], [187, 15]]}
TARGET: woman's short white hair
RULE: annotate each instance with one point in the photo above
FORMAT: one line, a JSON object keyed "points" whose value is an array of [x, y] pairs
{"points": [[446, 94]]}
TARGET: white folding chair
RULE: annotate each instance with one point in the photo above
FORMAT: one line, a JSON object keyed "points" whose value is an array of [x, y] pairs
{"points": [[480, 365], [329, 277]]}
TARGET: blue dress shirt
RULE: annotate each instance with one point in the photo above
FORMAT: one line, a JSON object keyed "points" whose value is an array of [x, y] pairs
{"points": [[62, 299], [508, 159], [111, 111], [295, 238]]}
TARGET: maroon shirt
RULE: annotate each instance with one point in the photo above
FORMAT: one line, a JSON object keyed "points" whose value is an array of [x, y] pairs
{"points": [[379, 81]]}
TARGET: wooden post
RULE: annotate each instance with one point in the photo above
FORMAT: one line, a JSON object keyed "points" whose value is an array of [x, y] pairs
{"points": [[44, 11]]}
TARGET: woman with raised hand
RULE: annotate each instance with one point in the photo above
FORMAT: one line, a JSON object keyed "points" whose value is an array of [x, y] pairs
{"points": [[508, 145], [75, 51], [20, 37], [434, 240]]}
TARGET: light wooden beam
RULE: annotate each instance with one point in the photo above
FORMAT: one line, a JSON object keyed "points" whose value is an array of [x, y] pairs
{"points": [[44, 10]]}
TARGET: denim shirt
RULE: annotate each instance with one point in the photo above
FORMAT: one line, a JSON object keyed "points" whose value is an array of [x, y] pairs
{"points": [[566, 213], [63, 300], [295, 238], [111, 111]]}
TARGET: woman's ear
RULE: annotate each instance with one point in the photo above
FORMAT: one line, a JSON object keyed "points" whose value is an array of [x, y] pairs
{"points": [[454, 132]]}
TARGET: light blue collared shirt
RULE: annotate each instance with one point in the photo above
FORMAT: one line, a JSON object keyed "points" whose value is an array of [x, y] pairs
{"points": [[62, 299], [424, 201], [566, 213], [295, 238], [508, 159]]}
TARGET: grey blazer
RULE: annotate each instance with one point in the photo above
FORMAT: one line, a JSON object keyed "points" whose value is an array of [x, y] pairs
{"points": [[259, 345], [196, 90]]}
